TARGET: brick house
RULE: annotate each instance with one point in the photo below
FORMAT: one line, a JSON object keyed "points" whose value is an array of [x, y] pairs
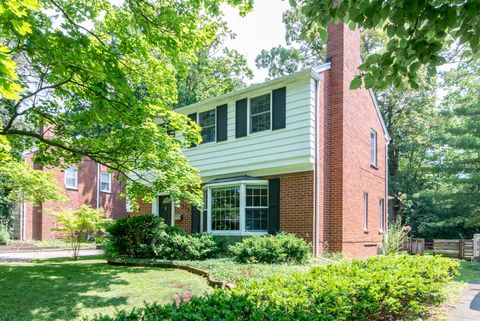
{"points": [[302, 153], [87, 183]]}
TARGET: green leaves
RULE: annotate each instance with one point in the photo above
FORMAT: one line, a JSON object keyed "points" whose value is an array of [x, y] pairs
{"points": [[418, 30], [356, 83]]}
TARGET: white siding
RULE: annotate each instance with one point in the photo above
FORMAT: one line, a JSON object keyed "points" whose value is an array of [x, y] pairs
{"points": [[269, 152]]}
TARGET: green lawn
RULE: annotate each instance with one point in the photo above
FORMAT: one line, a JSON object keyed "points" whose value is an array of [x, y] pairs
{"points": [[229, 270], [71, 290]]}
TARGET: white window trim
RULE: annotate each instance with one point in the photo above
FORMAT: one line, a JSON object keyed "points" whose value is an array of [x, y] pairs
{"points": [[243, 187], [215, 125], [76, 178], [249, 119], [374, 161], [365, 211], [109, 190], [381, 206]]}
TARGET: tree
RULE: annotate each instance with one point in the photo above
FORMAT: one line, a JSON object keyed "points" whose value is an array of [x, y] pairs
{"points": [[450, 203], [97, 78], [82, 225], [419, 32], [217, 70]]}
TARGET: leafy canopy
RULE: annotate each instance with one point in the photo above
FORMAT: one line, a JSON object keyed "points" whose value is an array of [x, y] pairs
{"points": [[418, 32], [98, 77]]}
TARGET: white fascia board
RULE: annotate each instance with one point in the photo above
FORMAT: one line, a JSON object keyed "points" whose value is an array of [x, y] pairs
{"points": [[246, 182], [379, 114], [308, 72]]}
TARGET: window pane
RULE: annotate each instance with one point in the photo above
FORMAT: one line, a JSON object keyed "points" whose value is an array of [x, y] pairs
{"points": [[256, 219], [260, 113], [226, 208], [207, 122]]}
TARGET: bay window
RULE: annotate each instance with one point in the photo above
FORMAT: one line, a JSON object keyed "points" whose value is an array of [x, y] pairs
{"points": [[237, 207]]}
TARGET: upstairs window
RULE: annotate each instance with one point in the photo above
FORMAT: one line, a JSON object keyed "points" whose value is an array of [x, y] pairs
{"points": [[71, 177], [105, 182], [373, 148], [260, 113], [206, 120]]}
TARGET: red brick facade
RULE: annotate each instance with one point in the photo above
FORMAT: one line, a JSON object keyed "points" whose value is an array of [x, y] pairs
{"points": [[38, 221]]}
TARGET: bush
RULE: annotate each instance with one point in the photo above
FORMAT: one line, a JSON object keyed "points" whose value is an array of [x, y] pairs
{"points": [[396, 287], [396, 237], [281, 248], [4, 235], [147, 236]]}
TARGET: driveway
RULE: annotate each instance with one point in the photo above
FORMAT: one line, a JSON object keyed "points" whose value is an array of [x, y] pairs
{"points": [[468, 307], [25, 256]]}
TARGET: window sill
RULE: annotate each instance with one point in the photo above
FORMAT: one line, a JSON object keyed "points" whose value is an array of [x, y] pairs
{"points": [[106, 192], [237, 233], [71, 188]]}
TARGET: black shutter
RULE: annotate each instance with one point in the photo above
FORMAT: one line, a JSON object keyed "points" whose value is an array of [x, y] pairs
{"points": [[222, 123], [241, 118], [193, 117], [195, 220], [279, 102], [273, 205], [205, 222]]}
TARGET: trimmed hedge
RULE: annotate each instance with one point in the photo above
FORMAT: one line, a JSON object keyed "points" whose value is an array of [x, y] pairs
{"points": [[396, 287], [280, 248], [147, 236]]}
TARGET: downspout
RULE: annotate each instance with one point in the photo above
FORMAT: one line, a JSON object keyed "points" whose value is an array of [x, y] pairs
{"points": [[316, 176], [387, 218], [98, 185]]}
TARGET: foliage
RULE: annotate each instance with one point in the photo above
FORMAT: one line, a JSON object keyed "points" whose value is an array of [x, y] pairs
{"points": [[449, 204], [147, 236], [98, 77], [78, 226], [6, 209], [395, 238], [279, 248], [4, 235], [389, 287], [21, 183], [179, 245], [418, 33], [217, 70]]}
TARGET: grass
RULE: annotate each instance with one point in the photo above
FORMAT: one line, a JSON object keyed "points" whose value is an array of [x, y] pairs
{"points": [[71, 290], [229, 270]]}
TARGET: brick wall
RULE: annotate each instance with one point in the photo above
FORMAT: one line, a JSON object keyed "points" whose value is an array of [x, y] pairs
{"points": [[351, 116], [39, 222]]}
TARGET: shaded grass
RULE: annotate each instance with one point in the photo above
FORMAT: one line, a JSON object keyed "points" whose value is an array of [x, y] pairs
{"points": [[69, 290], [229, 270]]}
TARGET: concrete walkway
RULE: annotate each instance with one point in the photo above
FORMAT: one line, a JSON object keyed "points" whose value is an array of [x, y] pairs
{"points": [[468, 306], [29, 256]]}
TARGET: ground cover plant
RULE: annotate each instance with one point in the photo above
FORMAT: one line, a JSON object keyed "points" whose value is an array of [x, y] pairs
{"points": [[62, 289], [395, 287]]}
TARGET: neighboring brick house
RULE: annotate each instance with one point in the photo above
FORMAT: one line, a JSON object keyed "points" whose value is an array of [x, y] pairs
{"points": [[88, 183], [302, 153]]}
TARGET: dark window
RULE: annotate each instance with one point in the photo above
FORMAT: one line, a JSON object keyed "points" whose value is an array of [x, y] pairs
{"points": [[260, 113], [207, 122], [256, 208]]}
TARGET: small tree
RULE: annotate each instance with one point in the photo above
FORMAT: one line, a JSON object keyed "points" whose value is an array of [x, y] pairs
{"points": [[81, 225]]}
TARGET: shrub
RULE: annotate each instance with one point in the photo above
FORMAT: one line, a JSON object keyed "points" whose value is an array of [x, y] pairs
{"points": [[135, 236], [395, 238], [81, 225], [280, 248], [4, 235], [396, 287], [147, 236]]}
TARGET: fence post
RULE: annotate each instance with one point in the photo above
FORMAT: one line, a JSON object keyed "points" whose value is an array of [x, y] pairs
{"points": [[476, 246], [461, 249]]}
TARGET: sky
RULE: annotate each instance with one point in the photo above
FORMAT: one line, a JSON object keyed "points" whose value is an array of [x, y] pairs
{"points": [[262, 28]]}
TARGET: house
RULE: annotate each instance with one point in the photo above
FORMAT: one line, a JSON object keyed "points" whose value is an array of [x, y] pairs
{"points": [[87, 183], [302, 153]]}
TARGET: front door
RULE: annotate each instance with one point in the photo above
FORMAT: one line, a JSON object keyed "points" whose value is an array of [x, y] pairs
{"points": [[165, 208]]}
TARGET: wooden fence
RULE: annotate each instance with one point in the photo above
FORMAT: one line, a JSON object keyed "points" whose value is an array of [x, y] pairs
{"points": [[459, 248]]}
